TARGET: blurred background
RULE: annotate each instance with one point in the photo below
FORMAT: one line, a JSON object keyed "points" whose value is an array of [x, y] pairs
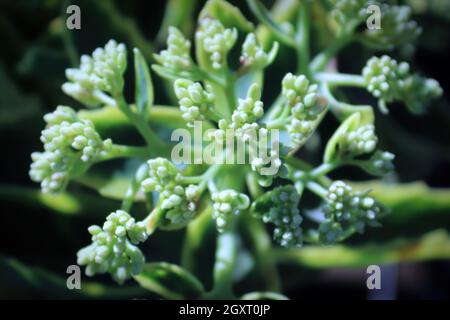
{"points": [[40, 238]]}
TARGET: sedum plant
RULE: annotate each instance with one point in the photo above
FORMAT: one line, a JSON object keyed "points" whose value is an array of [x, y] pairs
{"points": [[218, 82]]}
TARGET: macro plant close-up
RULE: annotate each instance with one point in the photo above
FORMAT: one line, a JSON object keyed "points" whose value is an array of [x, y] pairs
{"points": [[254, 150]]}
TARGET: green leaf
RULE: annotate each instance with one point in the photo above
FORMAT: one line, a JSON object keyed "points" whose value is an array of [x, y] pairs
{"points": [[433, 245], [227, 14], [74, 203], [180, 14], [144, 96], [278, 31], [18, 280], [170, 281], [333, 144]]}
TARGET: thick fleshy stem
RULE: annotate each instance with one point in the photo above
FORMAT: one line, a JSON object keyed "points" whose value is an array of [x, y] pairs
{"points": [[226, 252]]}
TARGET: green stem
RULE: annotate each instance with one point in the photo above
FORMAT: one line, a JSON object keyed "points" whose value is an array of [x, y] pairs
{"points": [[124, 151], [253, 185], [323, 169], [152, 220], [342, 110], [226, 251], [209, 175], [341, 79], [264, 17], [111, 117], [303, 38], [317, 189], [262, 247], [149, 136], [230, 92]]}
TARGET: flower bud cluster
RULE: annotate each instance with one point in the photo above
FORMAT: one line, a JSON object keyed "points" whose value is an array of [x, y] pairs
{"points": [[113, 247]]}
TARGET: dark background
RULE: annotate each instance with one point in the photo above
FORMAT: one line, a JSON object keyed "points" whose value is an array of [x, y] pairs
{"points": [[32, 63]]}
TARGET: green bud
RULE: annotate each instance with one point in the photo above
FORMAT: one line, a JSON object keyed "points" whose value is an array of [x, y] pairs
{"points": [[228, 203], [113, 247], [253, 55], [397, 28], [71, 145], [362, 140], [305, 104], [280, 207], [177, 201], [391, 81], [379, 164], [177, 55], [194, 101], [330, 232], [102, 71], [349, 208], [345, 11], [249, 110], [215, 40]]}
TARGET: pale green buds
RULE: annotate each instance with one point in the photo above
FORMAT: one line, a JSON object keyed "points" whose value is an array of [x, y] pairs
{"points": [[215, 40], [353, 139], [194, 101], [349, 208], [176, 200], [390, 81], [64, 135], [280, 207], [113, 247], [383, 76], [417, 92], [330, 232], [71, 145], [162, 175], [397, 28], [297, 90], [102, 71], [360, 141], [249, 110], [379, 164], [253, 55], [44, 170], [228, 203], [177, 55], [303, 99], [348, 10]]}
